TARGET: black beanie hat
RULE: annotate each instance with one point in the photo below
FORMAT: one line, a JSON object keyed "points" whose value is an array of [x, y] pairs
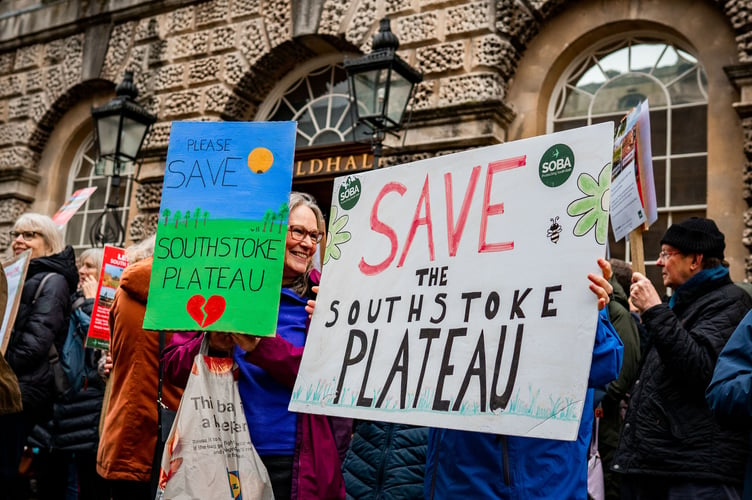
{"points": [[696, 235]]}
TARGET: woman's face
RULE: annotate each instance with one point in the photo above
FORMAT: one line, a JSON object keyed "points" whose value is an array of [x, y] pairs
{"points": [[87, 269], [298, 254], [25, 239]]}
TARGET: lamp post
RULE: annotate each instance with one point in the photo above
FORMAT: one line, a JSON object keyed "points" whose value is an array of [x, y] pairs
{"points": [[381, 84], [120, 128]]}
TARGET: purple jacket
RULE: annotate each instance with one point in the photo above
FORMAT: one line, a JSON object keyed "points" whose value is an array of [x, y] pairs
{"points": [[321, 441]]}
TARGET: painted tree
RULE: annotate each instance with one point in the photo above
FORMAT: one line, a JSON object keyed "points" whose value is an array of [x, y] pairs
{"points": [[282, 215], [166, 214], [206, 216], [177, 217], [196, 216], [187, 216], [269, 218]]}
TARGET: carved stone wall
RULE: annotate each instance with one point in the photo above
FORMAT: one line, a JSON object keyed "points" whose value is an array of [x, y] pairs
{"points": [[219, 59]]}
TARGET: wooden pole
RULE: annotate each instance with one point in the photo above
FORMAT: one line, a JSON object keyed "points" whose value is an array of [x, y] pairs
{"points": [[637, 251]]}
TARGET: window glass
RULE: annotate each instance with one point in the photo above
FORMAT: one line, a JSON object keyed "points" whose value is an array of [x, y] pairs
{"points": [[79, 227], [605, 82], [320, 102]]}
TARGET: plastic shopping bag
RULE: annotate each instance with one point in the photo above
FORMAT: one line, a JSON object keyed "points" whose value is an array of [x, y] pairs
{"points": [[209, 454]]}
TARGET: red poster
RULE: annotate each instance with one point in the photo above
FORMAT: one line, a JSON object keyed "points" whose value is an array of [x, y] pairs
{"points": [[113, 263]]}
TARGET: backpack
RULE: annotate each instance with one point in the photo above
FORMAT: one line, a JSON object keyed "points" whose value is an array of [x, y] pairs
{"points": [[69, 365]]}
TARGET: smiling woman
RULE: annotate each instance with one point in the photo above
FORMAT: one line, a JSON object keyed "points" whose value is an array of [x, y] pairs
{"points": [[300, 451]]}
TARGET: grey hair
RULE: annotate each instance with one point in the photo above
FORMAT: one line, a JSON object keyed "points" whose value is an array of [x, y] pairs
{"points": [[95, 254], [46, 227], [297, 198], [141, 250]]}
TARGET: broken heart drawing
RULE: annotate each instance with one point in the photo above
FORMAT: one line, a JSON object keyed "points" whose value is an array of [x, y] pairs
{"points": [[205, 312]]}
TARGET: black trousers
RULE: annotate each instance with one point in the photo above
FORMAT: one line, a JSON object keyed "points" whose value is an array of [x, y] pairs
{"points": [[280, 474]]}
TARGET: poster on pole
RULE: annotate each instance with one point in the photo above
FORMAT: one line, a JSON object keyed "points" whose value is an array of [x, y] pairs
{"points": [[114, 261], [633, 201], [454, 291], [71, 206], [223, 224], [15, 274]]}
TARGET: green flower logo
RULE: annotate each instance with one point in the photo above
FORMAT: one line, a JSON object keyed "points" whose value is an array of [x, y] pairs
{"points": [[593, 208], [336, 236]]}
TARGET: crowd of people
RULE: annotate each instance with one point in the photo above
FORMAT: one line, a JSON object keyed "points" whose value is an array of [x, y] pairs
{"points": [[670, 386]]}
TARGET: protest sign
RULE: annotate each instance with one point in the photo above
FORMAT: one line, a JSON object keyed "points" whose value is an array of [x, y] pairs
{"points": [[113, 262], [223, 223], [633, 202], [72, 205], [454, 291], [15, 274]]}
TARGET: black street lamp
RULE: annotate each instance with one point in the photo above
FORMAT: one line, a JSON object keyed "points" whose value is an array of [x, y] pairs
{"points": [[381, 84], [120, 126]]}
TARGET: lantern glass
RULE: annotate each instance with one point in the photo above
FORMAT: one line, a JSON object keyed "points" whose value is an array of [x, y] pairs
{"points": [[107, 134], [370, 91], [399, 94], [131, 136]]}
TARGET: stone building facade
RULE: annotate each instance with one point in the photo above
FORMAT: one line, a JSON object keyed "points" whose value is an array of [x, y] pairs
{"points": [[494, 71]]}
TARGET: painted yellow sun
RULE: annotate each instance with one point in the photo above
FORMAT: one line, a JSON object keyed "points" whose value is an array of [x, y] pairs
{"points": [[260, 160]]}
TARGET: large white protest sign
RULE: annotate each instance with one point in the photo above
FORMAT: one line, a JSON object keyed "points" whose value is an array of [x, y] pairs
{"points": [[454, 290]]}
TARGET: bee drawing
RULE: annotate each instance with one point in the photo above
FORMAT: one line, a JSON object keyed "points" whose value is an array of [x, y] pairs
{"points": [[554, 230]]}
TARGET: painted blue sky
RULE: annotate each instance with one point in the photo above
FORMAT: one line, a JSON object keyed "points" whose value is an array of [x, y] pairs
{"points": [[207, 167]]}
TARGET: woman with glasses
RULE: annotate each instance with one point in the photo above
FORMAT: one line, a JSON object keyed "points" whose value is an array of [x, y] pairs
{"points": [[41, 322], [301, 452]]}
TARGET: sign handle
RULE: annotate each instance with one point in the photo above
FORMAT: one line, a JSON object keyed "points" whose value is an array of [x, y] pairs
{"points": [[637, 250]]}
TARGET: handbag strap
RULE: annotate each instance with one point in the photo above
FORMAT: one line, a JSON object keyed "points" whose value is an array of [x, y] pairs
{"points": [[594, 438], [160, 404]]}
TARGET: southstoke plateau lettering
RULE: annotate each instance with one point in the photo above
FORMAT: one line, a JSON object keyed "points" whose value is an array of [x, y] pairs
{"points": [[206, 277], [375, 324]]}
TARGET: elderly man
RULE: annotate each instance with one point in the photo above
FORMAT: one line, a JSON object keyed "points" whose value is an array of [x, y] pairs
{"points": [[671, 445]]}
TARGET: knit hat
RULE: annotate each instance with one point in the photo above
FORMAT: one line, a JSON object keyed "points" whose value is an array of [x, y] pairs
{"points": [[696, 235]]}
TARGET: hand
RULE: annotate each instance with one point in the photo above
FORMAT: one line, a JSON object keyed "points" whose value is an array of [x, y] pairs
{"points": [[642, 293], [311, 305], [246, 342], [89, 287], [221, 342], [106, 365], [600, 286]]}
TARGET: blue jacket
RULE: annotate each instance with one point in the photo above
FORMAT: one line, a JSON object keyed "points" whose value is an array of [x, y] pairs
{"points": [[464, 464], [730, 391]]}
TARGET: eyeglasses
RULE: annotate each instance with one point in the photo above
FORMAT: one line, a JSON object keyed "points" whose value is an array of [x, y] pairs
{"points": [[664, 255], [27, 235], [298, 233]]}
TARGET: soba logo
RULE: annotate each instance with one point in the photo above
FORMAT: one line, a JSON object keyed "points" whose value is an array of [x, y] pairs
{"points": [[556, 165], [349, 193]]}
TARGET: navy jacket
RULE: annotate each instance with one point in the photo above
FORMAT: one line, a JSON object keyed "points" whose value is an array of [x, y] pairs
{"points": [[385, 460], [729, 394]]}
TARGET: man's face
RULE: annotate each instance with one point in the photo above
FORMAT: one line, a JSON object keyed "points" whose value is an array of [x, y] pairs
{"points": [[677, 267]]}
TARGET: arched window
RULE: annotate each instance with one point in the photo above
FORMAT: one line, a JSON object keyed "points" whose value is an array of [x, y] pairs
{"points": [[604, 84], [315, 96], [82, 176]]}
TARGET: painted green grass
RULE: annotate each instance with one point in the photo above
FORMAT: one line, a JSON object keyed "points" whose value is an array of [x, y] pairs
{"points": [[534, 406]]}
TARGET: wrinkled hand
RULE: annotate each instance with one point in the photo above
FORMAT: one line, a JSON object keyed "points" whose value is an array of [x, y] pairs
{"points": [[311, 304], [642, 293], [221, 341], [600, 286], [89, 287], [246, 342], [105, 365]]}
